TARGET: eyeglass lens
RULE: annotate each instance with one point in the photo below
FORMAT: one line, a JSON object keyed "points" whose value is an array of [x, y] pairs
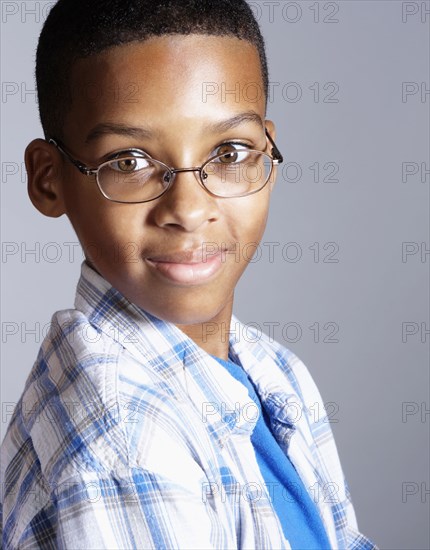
{"points": [[233, 174]]}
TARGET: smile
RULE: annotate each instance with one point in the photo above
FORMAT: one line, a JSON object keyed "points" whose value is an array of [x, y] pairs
{"points": [[187, 268]]}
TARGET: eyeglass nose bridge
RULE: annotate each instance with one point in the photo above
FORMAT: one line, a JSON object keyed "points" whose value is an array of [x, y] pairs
{"points": [[172, 171]]}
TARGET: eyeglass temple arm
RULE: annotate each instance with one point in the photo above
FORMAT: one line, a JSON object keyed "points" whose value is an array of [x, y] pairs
{"points": [[81, 167], [276, 153]]}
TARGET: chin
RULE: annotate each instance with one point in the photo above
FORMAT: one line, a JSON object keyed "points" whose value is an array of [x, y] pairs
{"points": [[181, 306]]}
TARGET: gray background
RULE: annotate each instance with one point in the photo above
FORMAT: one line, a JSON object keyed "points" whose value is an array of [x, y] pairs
{"points": [[376, 375]]}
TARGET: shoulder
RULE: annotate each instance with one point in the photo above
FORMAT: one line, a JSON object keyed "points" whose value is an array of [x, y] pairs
{"points": [[87, 401]]}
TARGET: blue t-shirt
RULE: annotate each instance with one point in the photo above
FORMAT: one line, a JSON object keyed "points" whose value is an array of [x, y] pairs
{"points": [[298, 514]]}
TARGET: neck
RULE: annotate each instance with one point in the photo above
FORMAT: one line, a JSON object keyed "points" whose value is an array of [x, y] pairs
{"points": [[213, 335]]}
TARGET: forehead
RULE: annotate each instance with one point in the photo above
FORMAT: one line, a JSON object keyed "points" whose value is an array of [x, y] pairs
{"points": [[192, 77]]}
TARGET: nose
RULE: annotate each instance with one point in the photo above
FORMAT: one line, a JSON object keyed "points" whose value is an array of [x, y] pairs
{"points": [[186, 204]]}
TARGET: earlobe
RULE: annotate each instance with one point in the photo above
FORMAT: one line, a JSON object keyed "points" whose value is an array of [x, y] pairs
{"points": [[44, 175]]}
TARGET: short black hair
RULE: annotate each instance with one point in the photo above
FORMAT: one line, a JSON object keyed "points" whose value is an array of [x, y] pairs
{"points": [[75, 29]]}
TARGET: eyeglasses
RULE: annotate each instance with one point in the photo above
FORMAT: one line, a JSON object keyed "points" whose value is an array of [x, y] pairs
{"points": [[132, 176]]}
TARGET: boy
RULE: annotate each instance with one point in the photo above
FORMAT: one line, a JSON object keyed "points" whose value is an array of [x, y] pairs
{"points": [[144, 422]]}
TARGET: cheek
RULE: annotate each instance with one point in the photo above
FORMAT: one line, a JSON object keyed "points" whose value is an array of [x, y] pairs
{"points": [[247, 218], [119, 236], [105, 229]]}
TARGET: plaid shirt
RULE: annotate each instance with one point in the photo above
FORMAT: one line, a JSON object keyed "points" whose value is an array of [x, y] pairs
{"points": [[129, 435]]}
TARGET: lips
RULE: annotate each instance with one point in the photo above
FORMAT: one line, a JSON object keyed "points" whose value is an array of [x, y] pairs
{"points": [[196, 256], [188, 267]]}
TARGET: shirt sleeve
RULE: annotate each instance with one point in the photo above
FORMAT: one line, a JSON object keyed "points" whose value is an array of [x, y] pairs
{"points": [[141, 509]]}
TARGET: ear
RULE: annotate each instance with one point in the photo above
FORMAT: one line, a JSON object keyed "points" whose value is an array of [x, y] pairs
{"points": [[45, 178], [270, 126]]}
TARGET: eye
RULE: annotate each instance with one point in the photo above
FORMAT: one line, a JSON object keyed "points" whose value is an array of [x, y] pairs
{"points": [[231, 152], [129, 164]]}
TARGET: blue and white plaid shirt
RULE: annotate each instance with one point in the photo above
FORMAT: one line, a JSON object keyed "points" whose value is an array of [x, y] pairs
{"points": [[129, 435]]}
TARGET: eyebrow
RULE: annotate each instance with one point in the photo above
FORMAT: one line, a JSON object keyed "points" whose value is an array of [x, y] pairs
{"points": [[247, 116], [109, 128], [140, 132]]}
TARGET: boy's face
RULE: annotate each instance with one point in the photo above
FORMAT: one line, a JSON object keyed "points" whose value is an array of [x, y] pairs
{"points": [[173, 88]]}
